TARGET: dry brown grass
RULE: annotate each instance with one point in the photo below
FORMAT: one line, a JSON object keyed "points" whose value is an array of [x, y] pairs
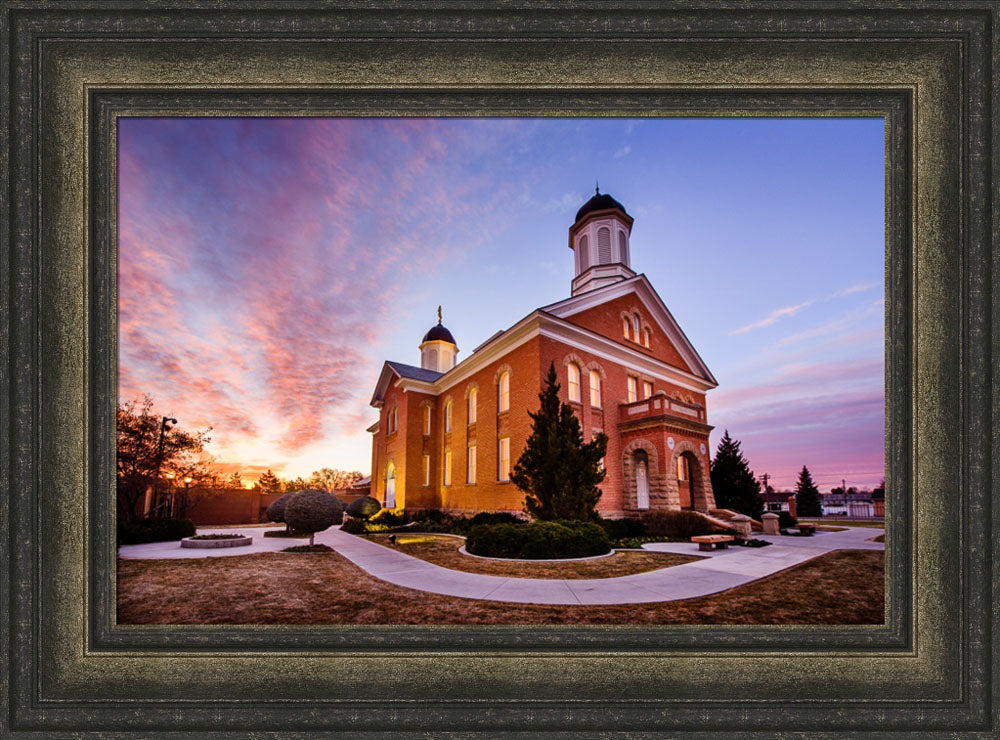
{"points": [[443, 551], [844, 587], [880, 538]]}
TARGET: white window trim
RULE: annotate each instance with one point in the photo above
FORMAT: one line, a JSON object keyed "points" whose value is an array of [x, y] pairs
{"points": [[447, 467], [595, 376], [632, 384], [570, 368], [447, 417], [427, 470], [500, 450], [503, 394], [470, 462]]}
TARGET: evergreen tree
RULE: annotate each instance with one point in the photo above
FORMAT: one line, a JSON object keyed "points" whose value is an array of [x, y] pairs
{"points": [[807, 500], [269, 482], [733, 483], [557, 471]]}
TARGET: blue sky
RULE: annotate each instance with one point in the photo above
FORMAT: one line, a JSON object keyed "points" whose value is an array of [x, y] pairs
{"points": [[268, 266]]}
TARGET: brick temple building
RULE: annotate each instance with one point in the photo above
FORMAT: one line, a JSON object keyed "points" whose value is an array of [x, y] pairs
{"points": [[449, 431]]}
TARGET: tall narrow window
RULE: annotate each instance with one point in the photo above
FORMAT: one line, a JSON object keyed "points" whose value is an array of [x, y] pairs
{"points": [[573, 372], [682, 468], [447, 417], [427, 470], [503, 392], [625, 328], [595, 389], [391, 421], [604, 245], [584, 250], [503, 461], [647, 389], [447, 467], [635, 328], [427, 420], [632, 391], [471, 465], [471, 406], [645, 338]]}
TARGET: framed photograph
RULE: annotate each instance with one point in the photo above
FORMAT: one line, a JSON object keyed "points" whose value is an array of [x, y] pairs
{"points": [[135, 266]]}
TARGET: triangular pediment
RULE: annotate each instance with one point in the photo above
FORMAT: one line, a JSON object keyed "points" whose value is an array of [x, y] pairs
{"points": [[640, 287]]}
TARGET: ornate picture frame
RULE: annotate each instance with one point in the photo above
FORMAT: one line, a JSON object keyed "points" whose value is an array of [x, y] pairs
{"points": [[70, 70]]}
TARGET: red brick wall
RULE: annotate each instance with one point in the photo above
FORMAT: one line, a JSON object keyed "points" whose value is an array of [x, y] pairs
{"points": [[606, 320], [230, 506]]}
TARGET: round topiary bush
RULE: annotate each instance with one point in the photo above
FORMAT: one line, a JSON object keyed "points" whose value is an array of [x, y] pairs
{"points": [[353, 526], [538, 540], [313, 511], [276, 511], [364, 508]]}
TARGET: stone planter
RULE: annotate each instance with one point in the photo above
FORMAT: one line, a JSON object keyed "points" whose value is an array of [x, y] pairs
{"points": [[235, 541]]}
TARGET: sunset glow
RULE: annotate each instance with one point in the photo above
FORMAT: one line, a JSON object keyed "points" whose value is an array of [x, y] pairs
{"points": [[267, 267]]}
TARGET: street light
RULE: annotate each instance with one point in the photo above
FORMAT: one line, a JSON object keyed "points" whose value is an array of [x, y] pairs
{"points": [[159, 454]]}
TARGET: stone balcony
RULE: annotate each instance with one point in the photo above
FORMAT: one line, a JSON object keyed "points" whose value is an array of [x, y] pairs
{"points": [[662, 407]]}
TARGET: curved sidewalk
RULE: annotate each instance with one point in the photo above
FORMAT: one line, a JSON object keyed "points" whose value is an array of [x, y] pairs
{"points": [[718, 570]]}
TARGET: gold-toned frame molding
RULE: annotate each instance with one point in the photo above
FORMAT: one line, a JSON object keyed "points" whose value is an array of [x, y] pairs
{"points": [[70, 69]]}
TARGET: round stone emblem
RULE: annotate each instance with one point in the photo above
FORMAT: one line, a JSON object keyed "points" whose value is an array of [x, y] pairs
{"points": [[670, 442], [702, 448]]}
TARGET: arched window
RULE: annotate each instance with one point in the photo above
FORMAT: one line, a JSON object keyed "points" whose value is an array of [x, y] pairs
{"points": [[427, 420], [641, 479], [447, 416], [622, 247], [470, 406], [604, 245], [584, 253], [390, 421], [645, 338], [573, 372], [635, 328], [503, 392], [595, 389], [447, 467], [625, 327], [434, 359], [390, 486]]}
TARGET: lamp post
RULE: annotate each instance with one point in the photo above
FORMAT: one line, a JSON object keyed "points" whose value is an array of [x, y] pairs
{"points": [[170, 491], [184, 501], [159, 456]]}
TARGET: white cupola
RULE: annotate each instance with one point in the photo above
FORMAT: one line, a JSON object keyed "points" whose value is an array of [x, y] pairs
{"points": [[438, 351], [599, 239]]}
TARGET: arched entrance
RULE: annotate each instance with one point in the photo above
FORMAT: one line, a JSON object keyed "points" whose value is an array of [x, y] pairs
{"points": [[687, 477], [390, 486], [642, 479]]}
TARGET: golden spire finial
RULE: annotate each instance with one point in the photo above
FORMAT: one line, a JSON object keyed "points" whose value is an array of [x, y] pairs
{"points": [[439, 314]]}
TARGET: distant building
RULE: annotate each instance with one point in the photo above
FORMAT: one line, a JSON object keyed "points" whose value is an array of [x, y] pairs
{"points": [[449, 432], [857, 505]]}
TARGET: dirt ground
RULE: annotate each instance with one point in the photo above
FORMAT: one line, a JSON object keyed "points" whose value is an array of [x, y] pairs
{"points": [[843, 587]]}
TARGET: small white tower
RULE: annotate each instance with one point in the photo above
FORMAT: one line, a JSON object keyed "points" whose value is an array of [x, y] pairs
{"points": [[599, 240], [438, 351]]}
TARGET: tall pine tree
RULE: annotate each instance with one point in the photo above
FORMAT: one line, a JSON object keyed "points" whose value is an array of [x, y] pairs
{"points": [[807, 500], [557, 471], [733, 482]]}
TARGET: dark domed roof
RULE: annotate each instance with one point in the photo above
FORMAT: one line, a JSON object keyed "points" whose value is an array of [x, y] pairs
{"points": [[438, 332], [600, 202]]}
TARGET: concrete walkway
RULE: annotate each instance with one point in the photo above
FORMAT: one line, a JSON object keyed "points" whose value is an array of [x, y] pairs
{"points": [[718, 570]]}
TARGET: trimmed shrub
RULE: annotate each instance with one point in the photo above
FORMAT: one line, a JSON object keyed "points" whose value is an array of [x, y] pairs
{"points": [[538, 540], [495, 517], [276, 511], [786, 520], [363, 508], [623, 529], [154, 529], [677, 524], [313, 511], [353, 526], [388, 517]]}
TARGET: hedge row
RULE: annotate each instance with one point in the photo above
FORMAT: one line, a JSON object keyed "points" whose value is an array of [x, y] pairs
{"points": [[154, 529], [538, 540]]}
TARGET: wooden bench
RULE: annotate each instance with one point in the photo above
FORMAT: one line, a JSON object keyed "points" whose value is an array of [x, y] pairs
{"points": [[713, 541], [806, 528]]}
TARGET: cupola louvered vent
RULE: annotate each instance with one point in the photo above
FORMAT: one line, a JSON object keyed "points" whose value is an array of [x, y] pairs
{"points": [[604, 245]]}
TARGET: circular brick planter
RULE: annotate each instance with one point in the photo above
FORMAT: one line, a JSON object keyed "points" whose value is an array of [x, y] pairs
{"points": [[237, 541]]}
